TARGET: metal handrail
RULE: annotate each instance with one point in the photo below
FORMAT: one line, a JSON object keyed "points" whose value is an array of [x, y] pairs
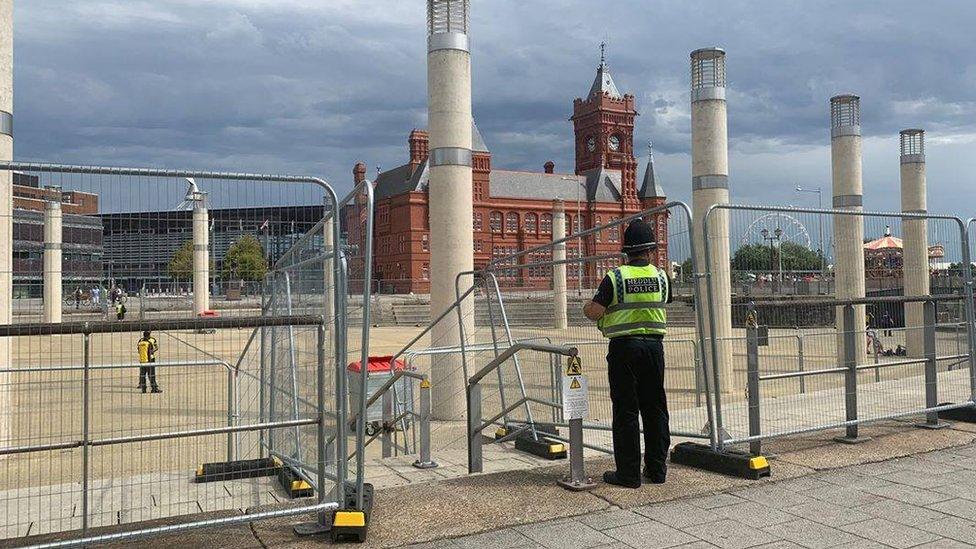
{"points": [[521, 346]]}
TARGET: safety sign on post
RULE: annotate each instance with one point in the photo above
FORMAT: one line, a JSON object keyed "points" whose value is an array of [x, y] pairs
{"points": [[576, 401], [576, 405]]}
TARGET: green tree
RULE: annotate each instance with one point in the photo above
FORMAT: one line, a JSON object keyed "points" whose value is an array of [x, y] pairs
{"points": [[245, 260], [759, 257], [181, 265]]}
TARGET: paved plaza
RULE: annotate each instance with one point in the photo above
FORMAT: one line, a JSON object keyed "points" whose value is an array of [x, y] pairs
{"points": [[923, 501]]}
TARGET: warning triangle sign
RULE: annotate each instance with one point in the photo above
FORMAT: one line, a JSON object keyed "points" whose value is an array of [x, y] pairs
{"points": [[575, 383], [574, 368]]}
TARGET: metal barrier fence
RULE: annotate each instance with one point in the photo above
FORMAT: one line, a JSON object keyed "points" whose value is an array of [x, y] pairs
{"points": [[274, 378], [87, 449], [519, 309], [787, 363]]}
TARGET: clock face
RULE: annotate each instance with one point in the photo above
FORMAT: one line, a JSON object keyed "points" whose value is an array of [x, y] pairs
{"points": [[591, 144], [614, 143]]}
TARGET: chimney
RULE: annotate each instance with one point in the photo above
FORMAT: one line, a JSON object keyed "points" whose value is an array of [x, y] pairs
{"points": [[550, 166], [359, 173], [419, 148]]}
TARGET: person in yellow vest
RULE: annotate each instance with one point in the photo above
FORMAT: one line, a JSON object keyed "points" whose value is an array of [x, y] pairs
{"points": [[629, 310], [148, 347]]}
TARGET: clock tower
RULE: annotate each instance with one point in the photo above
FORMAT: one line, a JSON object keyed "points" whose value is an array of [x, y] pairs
{"points": [[604, 126]]}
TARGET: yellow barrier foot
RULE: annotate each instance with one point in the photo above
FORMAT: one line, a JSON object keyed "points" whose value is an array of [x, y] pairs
{"points": [[727, 462]]}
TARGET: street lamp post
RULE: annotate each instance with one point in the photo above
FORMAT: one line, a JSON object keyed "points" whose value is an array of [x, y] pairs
{"points": [[820, 249], [775, 237]]}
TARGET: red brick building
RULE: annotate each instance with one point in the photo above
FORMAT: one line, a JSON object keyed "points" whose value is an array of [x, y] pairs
{"points": [[513, 209]]}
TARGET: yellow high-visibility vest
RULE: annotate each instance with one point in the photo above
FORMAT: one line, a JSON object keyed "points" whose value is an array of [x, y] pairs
{"points": [[147, 349], [637, 307]]}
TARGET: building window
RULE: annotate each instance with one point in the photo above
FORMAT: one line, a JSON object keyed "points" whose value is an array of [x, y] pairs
{"points": [[599, 223], [614, 231], [495, 221], [546, 223], [425, 271], [531, 222], [425, 243], [479, 245], [402, 244], [478, 222], [511, 222]]}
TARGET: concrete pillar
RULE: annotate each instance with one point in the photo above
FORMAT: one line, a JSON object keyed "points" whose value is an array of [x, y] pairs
{"points": [[450, 193], [6, 200], [52, 261], [560, 322], [915, 251], [845, 160], [201, 253], [710, 185]]}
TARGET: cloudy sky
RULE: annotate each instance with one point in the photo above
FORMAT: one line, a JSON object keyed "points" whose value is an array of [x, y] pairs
{"points": [[312, 86]]}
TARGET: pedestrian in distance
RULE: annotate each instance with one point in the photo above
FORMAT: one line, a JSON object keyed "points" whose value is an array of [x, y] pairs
{"points": [[78, 296], [147, 348], [629, 310], [120, 310], [887, 323]]}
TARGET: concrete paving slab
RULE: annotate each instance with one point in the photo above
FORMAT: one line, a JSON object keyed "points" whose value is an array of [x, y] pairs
{"points": [[953, 528], [827, 513], [678, 514], [650, 535], [565, 533], [902, 513], [890, 533], [810, 534], [730, 534], [612, 519], [944, 543], [962, 508]]}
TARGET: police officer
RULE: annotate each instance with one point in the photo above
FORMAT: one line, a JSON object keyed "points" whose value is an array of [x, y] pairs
{"points": [[147, 347], [629, 310]]}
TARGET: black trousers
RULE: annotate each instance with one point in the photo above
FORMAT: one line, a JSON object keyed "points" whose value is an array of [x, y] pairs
{"points": [[147, 371], [636, 371]]}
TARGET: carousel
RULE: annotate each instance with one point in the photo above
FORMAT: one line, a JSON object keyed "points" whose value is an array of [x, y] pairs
{"points": [[883, 256]]}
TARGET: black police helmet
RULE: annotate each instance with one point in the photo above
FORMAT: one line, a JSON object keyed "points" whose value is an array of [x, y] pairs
{"points": [[145, 334], [639, 237]]}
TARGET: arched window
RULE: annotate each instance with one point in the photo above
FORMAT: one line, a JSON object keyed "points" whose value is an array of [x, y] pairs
{"points": [[599, 222], [495, 221], [531, 223], [614, 231], [546, 224], [511, 222]]}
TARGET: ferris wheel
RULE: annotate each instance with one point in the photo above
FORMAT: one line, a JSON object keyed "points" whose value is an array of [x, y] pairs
{"points": [[786, 227]]}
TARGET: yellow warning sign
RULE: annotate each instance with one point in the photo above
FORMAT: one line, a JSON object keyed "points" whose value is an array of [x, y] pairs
{"points": [[425, 384], [574, 367], [575, 384]]}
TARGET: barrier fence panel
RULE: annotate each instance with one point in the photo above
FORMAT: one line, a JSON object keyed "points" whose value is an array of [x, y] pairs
{"points": [[262, 381], [810, 370], [87, 448], [522, 301]]}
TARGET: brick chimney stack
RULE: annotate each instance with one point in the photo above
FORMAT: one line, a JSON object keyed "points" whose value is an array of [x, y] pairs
{"points": [[359, 173], [419, 148], [550, 166]]}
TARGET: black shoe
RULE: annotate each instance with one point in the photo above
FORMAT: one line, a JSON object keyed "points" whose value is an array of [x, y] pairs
{"points": [[655, 478], [142, 388], [610, 477], [156, 390]]}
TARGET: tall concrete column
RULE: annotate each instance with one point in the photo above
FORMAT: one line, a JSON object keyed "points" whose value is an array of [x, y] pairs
{"points": [[201, 252], [328, 275], [6, 199], [450, 192], [845, 161], [52, 261], [915, 245], [710, 185], [560, 321]]}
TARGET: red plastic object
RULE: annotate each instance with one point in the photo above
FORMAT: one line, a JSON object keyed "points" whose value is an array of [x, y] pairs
{"points": [[209, 314], [377, 364]]}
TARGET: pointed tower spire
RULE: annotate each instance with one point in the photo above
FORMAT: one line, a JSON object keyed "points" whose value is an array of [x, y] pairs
{"points": [[650, 188], [603, 82]]}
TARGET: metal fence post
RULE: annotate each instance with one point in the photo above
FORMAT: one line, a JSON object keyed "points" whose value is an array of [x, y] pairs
{"points": [[425, 462], [85, 431], [849, 326], [231, 412], [799, 350], [475, 464], [752, 386], [931, 368], [387, 424]]}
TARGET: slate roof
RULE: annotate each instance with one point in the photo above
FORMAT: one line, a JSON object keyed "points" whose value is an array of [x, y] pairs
{"points": [[604, 83], [533, 185], [399, 180], [650, 188]]}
